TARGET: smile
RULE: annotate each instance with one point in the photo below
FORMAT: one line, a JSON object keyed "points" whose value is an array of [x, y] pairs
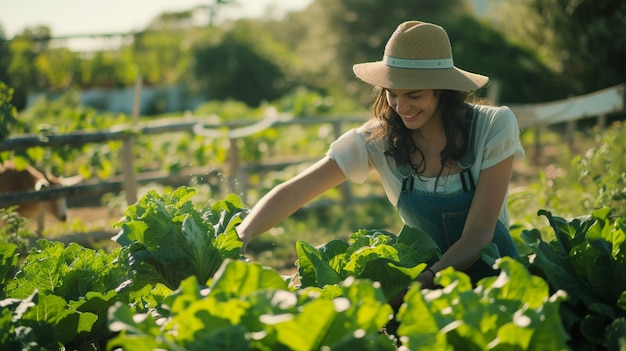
{"points": [[411, 117]]}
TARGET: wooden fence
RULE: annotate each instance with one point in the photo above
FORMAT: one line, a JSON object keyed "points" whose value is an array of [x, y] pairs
{"points": [[598, 104], [128, 180]]}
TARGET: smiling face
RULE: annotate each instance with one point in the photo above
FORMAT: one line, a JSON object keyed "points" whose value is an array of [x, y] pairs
{"points": [[416, 107]]}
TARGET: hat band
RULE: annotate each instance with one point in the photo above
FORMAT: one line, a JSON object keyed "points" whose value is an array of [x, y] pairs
{"points": [[418, 64]]}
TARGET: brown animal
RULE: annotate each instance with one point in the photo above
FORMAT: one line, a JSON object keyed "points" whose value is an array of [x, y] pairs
{"points": [[13, 179]]}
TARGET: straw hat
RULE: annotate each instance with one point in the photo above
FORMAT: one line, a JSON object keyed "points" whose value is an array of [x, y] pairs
{"points": [[418, 56]]}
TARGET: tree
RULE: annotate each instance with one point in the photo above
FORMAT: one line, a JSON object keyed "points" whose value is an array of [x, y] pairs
{"points": [[7, 111], [582, 41], [344, 32], [332, 35], [24, 76], [521, 76], [237, 67], [5, 56]]}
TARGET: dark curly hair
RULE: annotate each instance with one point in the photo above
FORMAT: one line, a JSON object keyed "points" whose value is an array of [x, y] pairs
{"points": [[456, 126]]}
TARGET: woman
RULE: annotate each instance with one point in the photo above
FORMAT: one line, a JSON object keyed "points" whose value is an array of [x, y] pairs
{"points": [[443, 162]]}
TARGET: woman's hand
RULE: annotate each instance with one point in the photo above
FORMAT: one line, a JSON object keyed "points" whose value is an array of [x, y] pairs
{"points": [[284, 199], [427, 279], [244, 238]]}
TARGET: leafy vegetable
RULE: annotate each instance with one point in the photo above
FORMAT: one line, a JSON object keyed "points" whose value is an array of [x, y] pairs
{"points": [[249, 307], [378, 255], [587, 260], [8, 262], [167, 239], [513, 311], [60, 296]]}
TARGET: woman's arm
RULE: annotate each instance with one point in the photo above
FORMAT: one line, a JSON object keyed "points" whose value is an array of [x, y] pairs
{"points": [[286, 198], [481, 220]]}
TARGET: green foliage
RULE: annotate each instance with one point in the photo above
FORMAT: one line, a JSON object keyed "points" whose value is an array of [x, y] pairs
{"points": [[393, 261], [586, 260], [248, 307], [7, 111], [474, 45], [576, 39], [358, 31], [228, 110], [602, 170], [59, 296], [8, 263], [166, 239], [14, 229], [304, 102], [513, 311], [178, 282], [235, 69]]}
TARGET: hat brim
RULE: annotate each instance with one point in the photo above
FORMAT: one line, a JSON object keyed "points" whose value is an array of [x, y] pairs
{"points": [[379, 74]]}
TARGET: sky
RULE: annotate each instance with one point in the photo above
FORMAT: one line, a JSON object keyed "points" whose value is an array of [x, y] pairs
{"points": [[72, 17]]}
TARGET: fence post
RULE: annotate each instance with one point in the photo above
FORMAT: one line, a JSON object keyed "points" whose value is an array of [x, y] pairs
{"points": [[601, 121]]}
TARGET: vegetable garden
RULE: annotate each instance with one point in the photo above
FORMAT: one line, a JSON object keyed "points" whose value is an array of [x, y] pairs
{"points": [[179, 282], [176, 279]]}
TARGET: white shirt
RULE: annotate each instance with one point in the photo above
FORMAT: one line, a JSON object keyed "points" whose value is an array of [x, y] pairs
{"points": [[496, 138]]}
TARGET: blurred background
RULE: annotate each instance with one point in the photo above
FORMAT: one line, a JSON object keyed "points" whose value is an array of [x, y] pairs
{"points": [[70, 66], [188, 52]]}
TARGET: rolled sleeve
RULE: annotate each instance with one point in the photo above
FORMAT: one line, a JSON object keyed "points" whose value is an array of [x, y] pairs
{"points": [[350, 153], [503, 139]]}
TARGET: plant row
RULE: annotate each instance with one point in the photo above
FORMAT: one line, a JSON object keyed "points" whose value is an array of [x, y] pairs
{"points": [[179, 282]]}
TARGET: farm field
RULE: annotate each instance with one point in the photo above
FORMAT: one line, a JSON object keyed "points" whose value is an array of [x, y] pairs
{"points": [[305, 265]]}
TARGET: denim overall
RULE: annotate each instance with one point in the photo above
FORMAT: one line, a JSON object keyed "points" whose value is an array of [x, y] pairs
{"points": [[443, 216]]}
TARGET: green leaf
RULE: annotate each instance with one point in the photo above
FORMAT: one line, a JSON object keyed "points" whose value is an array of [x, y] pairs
{"points": [[306, 330], [392, 277], [237, 278], [621, 303], [314, 270], [8, 262], [228, 245], [416, 246], [555, 267], [593, 327], [228, 213], [361, 310], [510, 312], [334, 252], [136, 331], [201, 253], [616, 334], [40, 271], [166, 239]]}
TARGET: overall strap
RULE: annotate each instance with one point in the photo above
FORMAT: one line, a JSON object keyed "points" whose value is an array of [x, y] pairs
{"points": [[408, 183], [469, 157], [467, 180]]}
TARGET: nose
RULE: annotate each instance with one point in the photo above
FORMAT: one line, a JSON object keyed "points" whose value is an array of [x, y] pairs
{"points": [[401, 105]]}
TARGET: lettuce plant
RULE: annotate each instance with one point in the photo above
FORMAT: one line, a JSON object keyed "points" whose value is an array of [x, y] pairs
{"points": [[166, 239], [513, 311], [59, 296], [394, 261], [249, 307], [586, 259]]}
